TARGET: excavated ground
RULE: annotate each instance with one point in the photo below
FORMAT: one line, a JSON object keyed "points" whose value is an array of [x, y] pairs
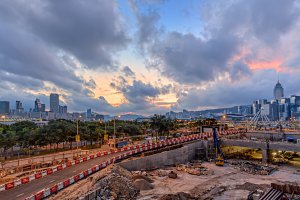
{"points": [[193, 182]]}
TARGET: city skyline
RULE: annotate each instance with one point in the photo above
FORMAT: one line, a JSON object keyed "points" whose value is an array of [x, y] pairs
{"points": [[280, 107], [152, 57]]}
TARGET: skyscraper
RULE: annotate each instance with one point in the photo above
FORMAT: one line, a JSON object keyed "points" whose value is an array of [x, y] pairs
{"points": [[54, 103], [4, 107], [43, 108], [278, 91], [37, 106], [19, 107], [89, 113]]}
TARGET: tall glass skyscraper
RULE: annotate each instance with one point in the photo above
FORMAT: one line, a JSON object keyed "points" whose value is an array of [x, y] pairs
{"points": [[4, 107], [54, 102], [278, 91]]}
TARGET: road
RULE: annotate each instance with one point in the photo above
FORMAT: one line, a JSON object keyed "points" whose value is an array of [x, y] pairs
{"points": [[25, 190]]}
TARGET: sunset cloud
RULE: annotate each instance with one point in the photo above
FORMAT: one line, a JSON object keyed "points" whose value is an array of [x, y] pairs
{"points": [[141, 56]]}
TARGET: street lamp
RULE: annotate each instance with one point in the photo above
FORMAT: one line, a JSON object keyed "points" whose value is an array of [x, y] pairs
{"points": [[77, 137], [115, 125]]}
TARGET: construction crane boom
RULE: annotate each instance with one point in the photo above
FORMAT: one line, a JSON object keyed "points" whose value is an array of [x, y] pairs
{"points": [[219, 157]]}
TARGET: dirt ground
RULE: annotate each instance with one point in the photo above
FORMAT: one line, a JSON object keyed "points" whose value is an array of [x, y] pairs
{"points": [[227, 182], [221, 183]]}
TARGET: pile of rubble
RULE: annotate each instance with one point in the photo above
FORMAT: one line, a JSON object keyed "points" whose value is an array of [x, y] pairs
{"points": [[120, 184], [115, 186], [290, 188], [253, 168], [194, 169]]}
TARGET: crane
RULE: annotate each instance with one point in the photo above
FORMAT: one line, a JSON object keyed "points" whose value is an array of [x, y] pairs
{"points": [[219, 157]]}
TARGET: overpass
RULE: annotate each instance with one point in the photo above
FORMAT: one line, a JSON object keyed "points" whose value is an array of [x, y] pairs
{"points": [[264, 146]]}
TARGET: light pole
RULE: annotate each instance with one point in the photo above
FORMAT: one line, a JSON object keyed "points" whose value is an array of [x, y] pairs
{"points": [[77, 136], [99, 144], [115, 125]]}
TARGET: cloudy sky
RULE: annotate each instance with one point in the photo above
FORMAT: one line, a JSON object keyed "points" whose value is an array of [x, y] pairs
{"points": [[148, 56]]}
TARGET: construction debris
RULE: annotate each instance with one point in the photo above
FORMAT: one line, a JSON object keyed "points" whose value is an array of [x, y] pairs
{"points": [[115, 186], [142, 184], [172, 175], [194, 169], [253, 168], [135, 177], [252, 186], [290, 188]]}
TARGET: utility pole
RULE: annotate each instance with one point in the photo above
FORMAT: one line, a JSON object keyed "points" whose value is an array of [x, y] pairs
{"points": [[99, 134], [77, 136], [114, 126]]}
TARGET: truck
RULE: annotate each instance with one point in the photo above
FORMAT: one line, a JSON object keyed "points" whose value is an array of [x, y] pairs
{"points": [[121, 144]]}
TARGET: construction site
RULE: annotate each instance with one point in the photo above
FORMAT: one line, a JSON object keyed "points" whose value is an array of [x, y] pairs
{"points": [[212, 164], [189, 172]]}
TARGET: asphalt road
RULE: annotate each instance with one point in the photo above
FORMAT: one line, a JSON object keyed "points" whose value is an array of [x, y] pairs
{"points": [[23, 191]]}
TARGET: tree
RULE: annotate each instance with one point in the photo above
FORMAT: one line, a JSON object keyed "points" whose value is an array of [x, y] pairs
{"points": [[91, 134], [24, 133], [157, 123], [7, 141]]}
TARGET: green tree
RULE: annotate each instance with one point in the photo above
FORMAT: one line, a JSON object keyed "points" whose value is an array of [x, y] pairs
{"points": [[158, 124], [7, 141]]}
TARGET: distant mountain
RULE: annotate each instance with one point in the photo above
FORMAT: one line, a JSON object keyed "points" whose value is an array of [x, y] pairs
{"points": [[185, 114], [126, 117], [130, 117]]}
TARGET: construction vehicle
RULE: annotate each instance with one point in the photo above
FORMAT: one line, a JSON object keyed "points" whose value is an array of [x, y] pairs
{"points": [[219, 157]]}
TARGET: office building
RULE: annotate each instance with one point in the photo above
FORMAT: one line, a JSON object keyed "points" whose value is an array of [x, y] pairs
{"points": [[43, 108], [19, 107], [65, 109], [4, 107], [278, 91], [295, 100], [62, 109], [89, 113], [37, 105], [54, 103]]}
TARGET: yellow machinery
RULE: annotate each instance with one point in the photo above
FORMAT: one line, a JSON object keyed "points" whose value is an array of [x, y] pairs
{"points": [[219, 157]]}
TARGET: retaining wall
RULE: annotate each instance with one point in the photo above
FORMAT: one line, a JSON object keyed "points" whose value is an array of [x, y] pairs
{"points": [[167, 158]]}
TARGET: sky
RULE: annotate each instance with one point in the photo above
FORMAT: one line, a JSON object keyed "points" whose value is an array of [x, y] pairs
{"points": [[148, 56]]}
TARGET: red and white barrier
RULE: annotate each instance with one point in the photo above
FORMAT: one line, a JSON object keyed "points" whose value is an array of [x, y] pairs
{"points": [[134, 150]]}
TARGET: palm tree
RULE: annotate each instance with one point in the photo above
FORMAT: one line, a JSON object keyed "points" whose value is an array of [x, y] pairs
{"points": [[157, 123]]}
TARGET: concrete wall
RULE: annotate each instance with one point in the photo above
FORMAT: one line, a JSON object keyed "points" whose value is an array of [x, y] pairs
{"points": [[167, 158], [283, 146]]}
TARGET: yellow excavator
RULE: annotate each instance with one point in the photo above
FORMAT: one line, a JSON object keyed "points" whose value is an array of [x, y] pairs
{"points": [[219, 157]]}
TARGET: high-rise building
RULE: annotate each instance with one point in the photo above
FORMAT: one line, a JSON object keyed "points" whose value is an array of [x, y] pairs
{"points": [[37, 105], [54, 103], [295, 100], [89, 113], [65, 109], [43, 108], [278, 91], [4, 107], [274, 110], [19, 107]]}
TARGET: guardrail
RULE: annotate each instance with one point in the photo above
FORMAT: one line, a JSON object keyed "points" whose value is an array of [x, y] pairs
{"points": [[131, 151]]}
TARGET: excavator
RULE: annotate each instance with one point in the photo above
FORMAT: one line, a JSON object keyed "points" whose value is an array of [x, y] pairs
{"points": [[219, 157]]}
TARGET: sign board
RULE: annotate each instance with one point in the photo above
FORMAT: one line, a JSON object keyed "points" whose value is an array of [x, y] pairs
{"points": [[77, 137], [105, 136]]}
